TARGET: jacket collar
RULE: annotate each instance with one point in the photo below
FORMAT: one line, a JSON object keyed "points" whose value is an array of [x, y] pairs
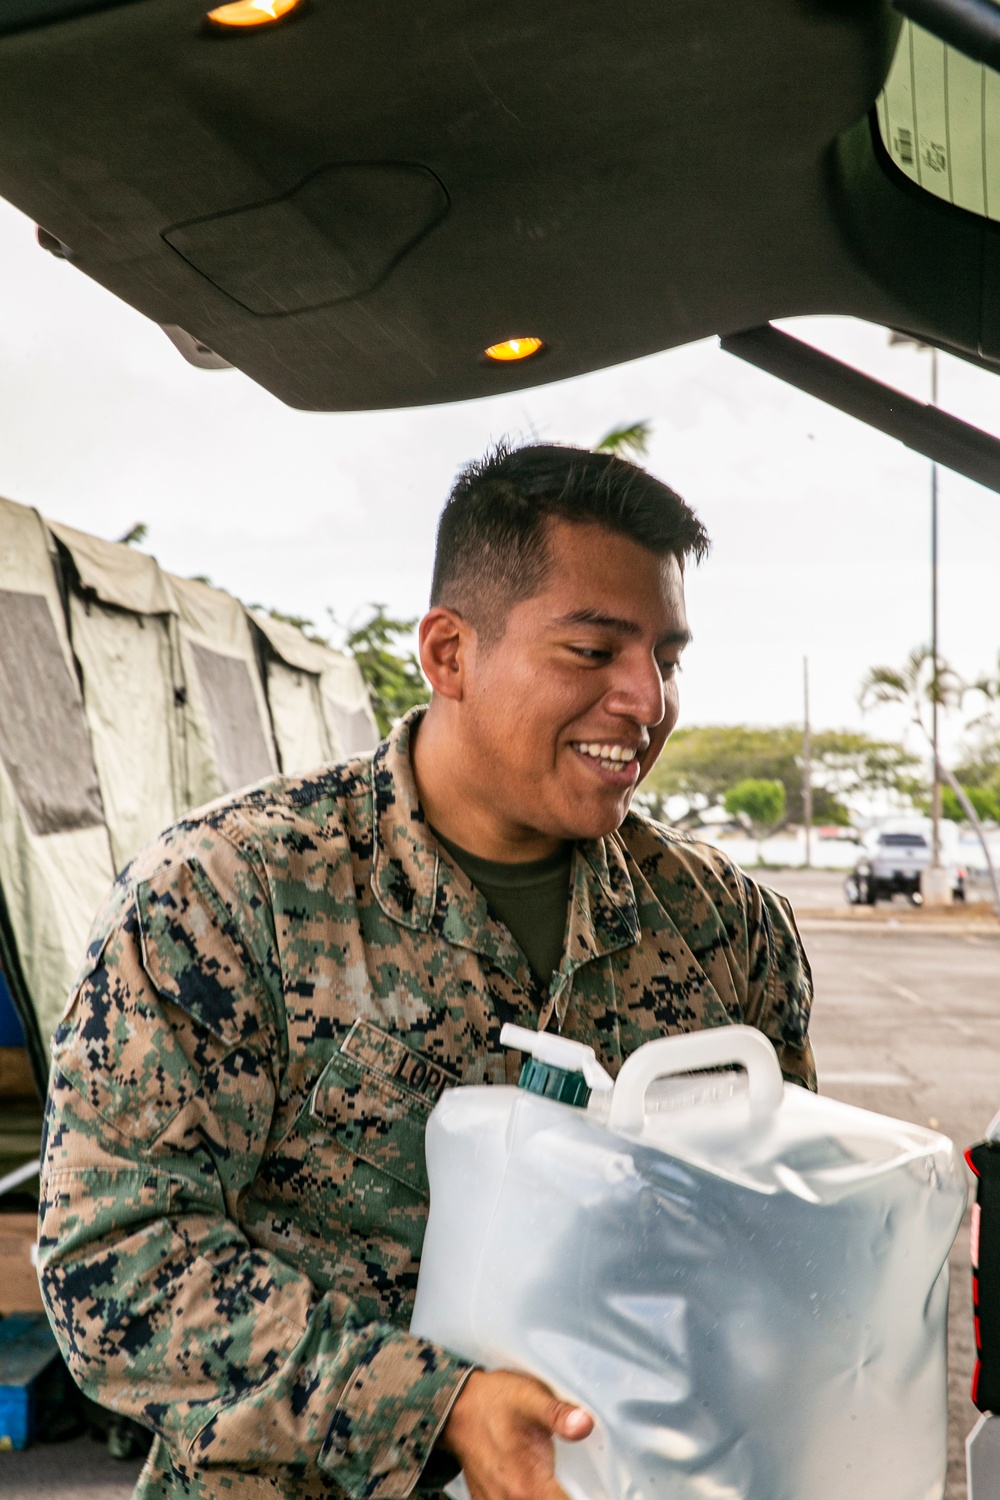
{"points": [[417, 886]]}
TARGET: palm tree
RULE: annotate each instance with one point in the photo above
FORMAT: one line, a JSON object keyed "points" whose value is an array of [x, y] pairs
{"points": [[990, 689], [630, 441], [915, 686], [135, 536]]}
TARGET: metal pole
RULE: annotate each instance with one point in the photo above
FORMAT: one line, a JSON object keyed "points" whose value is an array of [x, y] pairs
{"points": [[923, 427], [936, 785], [807, 795]]}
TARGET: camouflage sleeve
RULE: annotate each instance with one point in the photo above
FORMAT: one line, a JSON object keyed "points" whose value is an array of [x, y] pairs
{"points": [[779, 982], [163, 1086]]}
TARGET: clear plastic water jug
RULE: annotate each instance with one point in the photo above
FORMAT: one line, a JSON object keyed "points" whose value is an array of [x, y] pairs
{"points": [[746, 1284]]}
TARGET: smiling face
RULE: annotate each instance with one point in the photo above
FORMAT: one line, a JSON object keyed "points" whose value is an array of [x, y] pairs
{"points": [[558, 720]]}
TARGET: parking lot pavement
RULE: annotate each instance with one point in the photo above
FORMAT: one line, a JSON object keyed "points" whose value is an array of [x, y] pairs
{"points": [[907, 1022], [80, 1470], [807, 889], [824, 890]]}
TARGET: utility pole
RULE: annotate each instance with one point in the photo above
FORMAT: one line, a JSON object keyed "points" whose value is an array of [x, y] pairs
{"points": [[935, 882], [807, 791], [936, 783]]}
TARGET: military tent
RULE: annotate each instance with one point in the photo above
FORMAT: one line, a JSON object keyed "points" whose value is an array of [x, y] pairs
{"points": [[127, 697]]}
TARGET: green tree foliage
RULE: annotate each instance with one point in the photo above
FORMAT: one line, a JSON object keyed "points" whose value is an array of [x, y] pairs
{"points": [[989, 687], [985, 801], [630, 441], [380, 645], [980, 766], [301, 622], [703, 763], [135, 535], [914, 685], [762, 802]]}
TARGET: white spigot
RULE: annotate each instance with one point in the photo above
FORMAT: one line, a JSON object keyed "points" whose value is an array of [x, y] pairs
{"points": [[560, 1052]]}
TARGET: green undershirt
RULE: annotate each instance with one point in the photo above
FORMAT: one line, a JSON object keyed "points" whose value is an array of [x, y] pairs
{"points": [[530, 900]]}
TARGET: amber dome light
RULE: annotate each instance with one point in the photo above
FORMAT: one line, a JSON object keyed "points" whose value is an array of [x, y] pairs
{"points": [[250, 13], [512, 349]]}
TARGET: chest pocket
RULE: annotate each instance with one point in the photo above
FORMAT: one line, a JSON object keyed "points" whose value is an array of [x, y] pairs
{"points": [[375, 1097]]}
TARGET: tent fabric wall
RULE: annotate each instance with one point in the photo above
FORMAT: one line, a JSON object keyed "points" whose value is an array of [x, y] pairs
{"points": [[226, 718], [319, 702], [124, 632], [297, 716], [55, 852], [127, 697], [293, 666], [347, 707], [128, 665], [116, 574]]}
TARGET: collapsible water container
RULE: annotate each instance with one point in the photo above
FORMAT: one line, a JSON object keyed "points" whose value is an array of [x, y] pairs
{"points": [[744, 1283]]}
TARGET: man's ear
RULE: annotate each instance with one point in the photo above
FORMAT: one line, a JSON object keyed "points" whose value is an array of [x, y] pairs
{"points": [[447, 641]]}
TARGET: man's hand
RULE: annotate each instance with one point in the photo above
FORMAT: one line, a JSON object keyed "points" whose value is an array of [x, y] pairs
{"points": [[501, 1430]]}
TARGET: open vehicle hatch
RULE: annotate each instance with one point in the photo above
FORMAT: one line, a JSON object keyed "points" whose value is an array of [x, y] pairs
{"points": [[352, 205]]}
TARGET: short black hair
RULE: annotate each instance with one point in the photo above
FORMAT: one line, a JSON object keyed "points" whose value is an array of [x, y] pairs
{"points": [[492, 550]]}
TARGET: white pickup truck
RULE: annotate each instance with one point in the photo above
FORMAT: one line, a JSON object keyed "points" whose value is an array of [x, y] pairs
{"points": [[893, 857]]}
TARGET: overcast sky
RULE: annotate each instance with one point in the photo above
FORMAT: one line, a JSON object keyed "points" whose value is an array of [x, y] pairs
{"points": [[820, 526]]}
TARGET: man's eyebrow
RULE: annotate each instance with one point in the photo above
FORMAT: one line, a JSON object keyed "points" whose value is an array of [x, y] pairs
{"points": [[623, 627], [604, 622]]}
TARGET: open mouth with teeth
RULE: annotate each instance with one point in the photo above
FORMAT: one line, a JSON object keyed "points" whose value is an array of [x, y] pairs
{"points": [[620, 761]]}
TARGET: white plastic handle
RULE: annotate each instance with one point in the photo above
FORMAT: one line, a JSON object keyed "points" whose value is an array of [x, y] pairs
{"points": [[684, 1054]]}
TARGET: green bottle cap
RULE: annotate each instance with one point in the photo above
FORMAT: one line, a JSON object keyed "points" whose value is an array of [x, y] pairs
{"points": [[555, 1083]]}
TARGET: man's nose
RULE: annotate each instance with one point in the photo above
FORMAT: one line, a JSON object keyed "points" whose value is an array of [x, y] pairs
{"points": [[637, 693]]}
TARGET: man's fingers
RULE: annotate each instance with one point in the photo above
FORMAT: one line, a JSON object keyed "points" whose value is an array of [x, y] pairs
{"points": [[562, 1418], [571, 1422]]}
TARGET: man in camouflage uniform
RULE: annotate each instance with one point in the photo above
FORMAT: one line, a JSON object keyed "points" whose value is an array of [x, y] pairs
{"points": [[234, 1190]]}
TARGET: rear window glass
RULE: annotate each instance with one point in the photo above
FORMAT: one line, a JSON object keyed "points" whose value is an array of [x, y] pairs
{"points": [[939, 118], [902, 841]]}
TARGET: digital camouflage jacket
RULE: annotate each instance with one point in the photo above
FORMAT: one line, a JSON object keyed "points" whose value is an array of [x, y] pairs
{"points": [[234, 1191]]}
